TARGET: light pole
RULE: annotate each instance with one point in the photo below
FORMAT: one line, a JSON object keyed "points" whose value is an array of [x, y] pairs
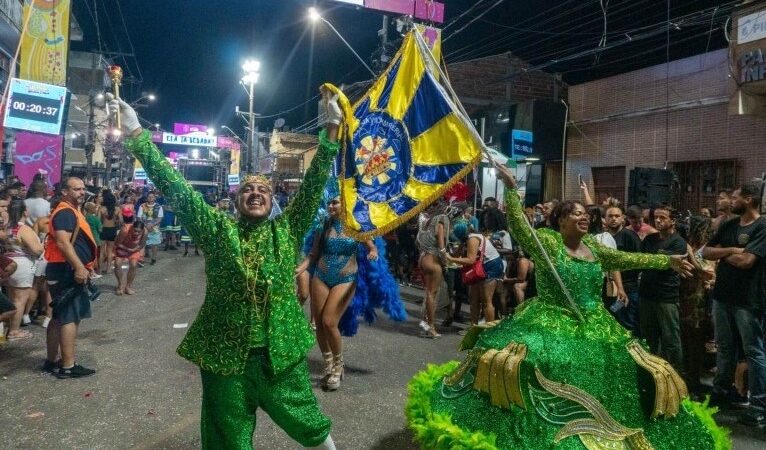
{"points": [[149, 97], [314, 17], [251, 68]]}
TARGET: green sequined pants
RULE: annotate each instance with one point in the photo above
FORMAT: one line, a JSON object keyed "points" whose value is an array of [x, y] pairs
{"points": [[229, 404]]}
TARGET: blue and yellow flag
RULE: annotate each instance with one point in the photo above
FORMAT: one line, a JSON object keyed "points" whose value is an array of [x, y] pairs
{"points": [[405, 144]]}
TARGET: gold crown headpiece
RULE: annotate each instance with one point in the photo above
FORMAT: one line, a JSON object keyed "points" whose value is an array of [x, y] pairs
{"points": [[256, 179]]}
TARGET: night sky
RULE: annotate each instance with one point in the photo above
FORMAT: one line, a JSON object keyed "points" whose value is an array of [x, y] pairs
{"points": [[189, 52]]}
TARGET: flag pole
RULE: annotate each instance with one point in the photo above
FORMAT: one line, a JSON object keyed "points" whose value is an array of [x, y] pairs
{"points": [[432, 64]]}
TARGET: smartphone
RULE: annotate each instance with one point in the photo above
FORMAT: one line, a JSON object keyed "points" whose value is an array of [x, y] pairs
{"points": [[579, 179], [616, 306]]}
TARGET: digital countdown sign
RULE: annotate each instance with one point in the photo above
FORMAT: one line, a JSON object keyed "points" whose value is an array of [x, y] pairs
{"points": [[36, 107]]}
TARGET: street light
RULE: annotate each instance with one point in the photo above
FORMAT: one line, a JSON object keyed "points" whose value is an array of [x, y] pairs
{"points": [[251, 67], [210, 131], [137, 104], [315, 17]]}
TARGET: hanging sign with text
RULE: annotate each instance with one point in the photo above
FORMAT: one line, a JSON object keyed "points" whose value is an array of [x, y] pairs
{"points": [[193, 139]]}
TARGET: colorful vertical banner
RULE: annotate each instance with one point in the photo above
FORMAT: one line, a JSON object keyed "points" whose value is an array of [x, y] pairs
{"points": [[38, 153], [234, 169], [45, 42]]}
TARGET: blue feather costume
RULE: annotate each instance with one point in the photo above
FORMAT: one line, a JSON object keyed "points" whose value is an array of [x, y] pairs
{"points": [[383, 293]]}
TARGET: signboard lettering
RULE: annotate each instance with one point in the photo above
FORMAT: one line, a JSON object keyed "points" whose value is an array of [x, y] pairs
{"points": [[751, 27], [197, 139], [752, 66], [522, 143]]}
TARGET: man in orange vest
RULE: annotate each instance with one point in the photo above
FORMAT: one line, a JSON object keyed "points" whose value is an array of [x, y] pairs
{"points": [[70, 250]]}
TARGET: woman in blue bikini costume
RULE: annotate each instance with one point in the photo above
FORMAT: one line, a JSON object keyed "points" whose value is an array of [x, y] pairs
{"points": [[334, 259]]}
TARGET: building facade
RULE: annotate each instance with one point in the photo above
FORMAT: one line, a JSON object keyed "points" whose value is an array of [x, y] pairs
{"points": [[673, 116]]}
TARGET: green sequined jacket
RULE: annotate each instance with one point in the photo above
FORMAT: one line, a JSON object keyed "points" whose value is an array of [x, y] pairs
{"points": [[250, 299]]}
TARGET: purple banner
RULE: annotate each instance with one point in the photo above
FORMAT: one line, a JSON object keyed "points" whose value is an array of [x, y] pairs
{"points": [[38, 153], [394, 6], [227, 142], [156, 136], [186, 128], [429, 10]]}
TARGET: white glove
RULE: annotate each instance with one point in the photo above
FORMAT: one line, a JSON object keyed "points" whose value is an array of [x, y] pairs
{"points": [[128, 115], [334, 114]]}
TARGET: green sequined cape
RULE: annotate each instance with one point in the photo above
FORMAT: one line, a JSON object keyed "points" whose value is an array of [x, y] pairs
{"points": [[250, 299], [590, 356]]}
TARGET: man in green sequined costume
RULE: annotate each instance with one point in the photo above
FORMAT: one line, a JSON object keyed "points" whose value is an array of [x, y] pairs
{"points": [[250, 338], [560, 374]]}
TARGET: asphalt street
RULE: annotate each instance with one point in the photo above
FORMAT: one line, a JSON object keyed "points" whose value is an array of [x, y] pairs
{"points": [[145, 396]]}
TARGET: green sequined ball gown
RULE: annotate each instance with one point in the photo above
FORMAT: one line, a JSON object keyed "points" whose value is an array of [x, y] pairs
{"points": [[543, 379]]}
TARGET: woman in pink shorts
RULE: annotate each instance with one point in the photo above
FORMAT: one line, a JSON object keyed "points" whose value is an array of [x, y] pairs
{"points": [[127, 249]]}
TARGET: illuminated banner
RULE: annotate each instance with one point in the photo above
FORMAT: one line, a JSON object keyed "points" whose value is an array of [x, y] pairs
{"points": [[228, 142], [393, 6], [352, 2], [38, 153], [139, 174], [36, 106], [194, 139], [234, 168], [429, 10], [188, 128], [45, 43]]}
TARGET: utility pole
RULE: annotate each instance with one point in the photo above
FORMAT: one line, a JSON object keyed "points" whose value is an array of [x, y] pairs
{"points": [[90, 144], [251, 137]]}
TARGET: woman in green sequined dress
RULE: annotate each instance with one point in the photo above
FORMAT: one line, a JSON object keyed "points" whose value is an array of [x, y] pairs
{"points": [[560, 373]]}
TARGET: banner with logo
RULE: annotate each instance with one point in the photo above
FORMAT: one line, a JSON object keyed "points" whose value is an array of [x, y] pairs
{"points": [[407, 144], [234, 169], [38, 153], [45, 42]]}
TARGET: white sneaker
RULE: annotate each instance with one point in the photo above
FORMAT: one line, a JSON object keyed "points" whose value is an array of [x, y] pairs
{"points": [[46, 321], [26, 320], [424, 326], [95, 276]]}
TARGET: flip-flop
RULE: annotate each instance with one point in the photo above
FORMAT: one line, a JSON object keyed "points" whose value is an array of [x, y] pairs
{"points": [[21, 335]]}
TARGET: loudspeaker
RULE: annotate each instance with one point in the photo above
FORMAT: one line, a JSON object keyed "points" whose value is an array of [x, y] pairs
{"points": [[533, 191], [650, 187]]}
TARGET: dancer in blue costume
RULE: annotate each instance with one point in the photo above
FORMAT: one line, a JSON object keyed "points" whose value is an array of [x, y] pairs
{"points": [[341, 291]]}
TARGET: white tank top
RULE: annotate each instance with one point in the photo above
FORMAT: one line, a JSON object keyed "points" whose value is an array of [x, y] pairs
{"points": [[490, 252]]}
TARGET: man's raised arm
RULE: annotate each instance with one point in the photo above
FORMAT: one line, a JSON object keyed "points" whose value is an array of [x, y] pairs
{"points": [[197, 216]]}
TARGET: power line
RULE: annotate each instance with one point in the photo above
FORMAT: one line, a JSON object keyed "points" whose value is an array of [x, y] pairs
{"points": [[453, 21], [549, 19], [130, 42], [527, 42], [687, 20], [494, 5]]}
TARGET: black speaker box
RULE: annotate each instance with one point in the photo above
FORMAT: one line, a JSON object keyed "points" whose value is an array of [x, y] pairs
{"points": [[650, 187]]}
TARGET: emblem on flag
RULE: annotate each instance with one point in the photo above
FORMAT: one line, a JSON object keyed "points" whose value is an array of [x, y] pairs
{"points": [[405, 142]]}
